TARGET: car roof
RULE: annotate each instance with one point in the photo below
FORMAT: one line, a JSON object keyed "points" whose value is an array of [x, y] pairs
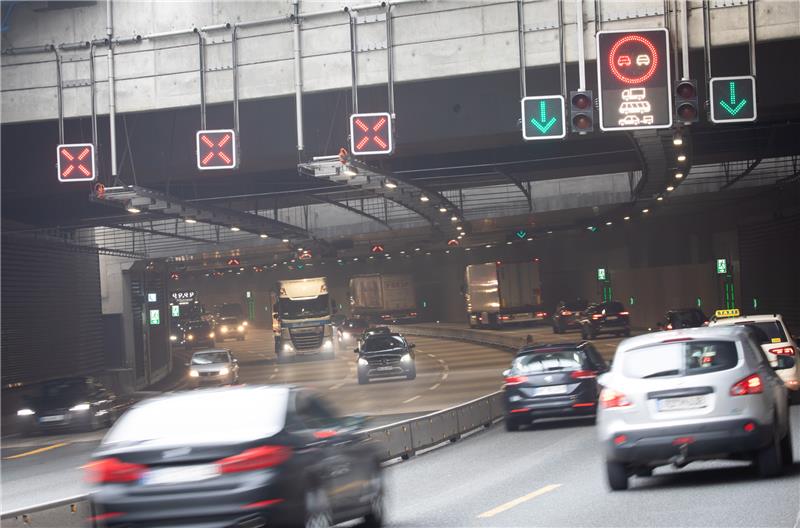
{"points": [[550, 347], [727, 333], [762, 318], [207, 350]]}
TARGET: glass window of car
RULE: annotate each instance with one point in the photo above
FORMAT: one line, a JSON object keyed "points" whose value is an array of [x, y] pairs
{"points": [[203, 417], [379, 342], [595, 357], [65, 389], [575, 306], [207, 358], [771, 331], [548, 361], [612, 308], [312, 412], [685, 358]]}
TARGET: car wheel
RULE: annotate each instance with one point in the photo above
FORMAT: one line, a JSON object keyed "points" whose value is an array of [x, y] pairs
{"points": [[644, 472], [617, 476], [374, 518], [627, 332], [363, 379], [412, 374], [555, 329], [768, 459], [317, 510], [584, 334], [787, 457], [512, 424]]}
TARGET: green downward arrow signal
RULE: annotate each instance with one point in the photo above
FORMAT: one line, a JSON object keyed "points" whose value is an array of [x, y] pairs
{"points": [[734, 107], [543, 124], [521, 233]]}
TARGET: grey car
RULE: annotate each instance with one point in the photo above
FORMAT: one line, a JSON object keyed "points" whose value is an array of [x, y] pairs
{"points": [[213, 367], [695, 394]]}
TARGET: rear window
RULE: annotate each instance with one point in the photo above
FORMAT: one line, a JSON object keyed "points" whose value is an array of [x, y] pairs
{"points": [[685, 358], [203, 417], [771, 332], [612, 307], [687, 319], [552, 361], [575, 305]]}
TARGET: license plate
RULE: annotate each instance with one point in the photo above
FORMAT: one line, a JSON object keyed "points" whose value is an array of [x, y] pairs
{"points": [[611, 318], [554, 389], [683, 404], [54, 418], [177, 475], [384, 368]]}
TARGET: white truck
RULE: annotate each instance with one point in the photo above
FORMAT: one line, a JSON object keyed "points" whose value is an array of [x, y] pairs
{"points": [[383, 298], [499, 294], [301, 318]]}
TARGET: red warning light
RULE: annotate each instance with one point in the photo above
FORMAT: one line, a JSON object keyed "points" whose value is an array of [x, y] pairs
{"points": [[233, 261], [216, 149], [371, 134], [453, 242], [377, 248], [76, 162], [305, 255], [646, 59]]}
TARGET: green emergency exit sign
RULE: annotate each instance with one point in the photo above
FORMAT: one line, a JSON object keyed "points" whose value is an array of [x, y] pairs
{"points": [[601, 274], [722, 266], [155, 317]]}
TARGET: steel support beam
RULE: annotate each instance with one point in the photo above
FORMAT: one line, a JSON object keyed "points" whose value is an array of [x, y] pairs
{"points": [[513, 179]]}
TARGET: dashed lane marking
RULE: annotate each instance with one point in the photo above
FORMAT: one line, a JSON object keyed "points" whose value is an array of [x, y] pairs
{"points": [[434, 387], [411, 399], [519, 500]]}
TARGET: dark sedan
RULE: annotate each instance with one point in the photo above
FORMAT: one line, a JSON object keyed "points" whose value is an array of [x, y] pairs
{"points": [[385, 355], [80, 403], [238, 456], [199, 334], [567, 315], [605, 318], [549, 381], [683, 318]]}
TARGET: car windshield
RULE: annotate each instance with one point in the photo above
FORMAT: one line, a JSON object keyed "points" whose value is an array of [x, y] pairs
{"points": [[61, 389], [382, 342], [683, 358], [771, 332], [197, 325], [207, 358], [203, 417], [230, 310], [299, 309], [612, 308], [548, 361], [575, 305]]}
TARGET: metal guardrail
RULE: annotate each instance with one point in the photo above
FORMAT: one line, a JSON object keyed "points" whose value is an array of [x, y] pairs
{"points": [[400, 439]]}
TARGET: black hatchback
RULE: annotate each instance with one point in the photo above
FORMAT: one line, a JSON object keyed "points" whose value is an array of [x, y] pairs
{"points": [[609, 317], [384, 355], [551, 381], [683, 318], [568, 315]]}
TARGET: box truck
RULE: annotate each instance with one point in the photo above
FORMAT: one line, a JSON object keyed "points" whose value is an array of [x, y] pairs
{"points": [[499, 294]]}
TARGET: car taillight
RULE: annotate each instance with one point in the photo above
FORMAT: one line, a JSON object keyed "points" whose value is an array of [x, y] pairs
{"points": [[516, 380], [609, 399], [566, 312], [505, 317], [597, 316], [669, 326], [255, 458], [752, 384], [624, 313], [783, 351], [108, 470], [583, 374], [541, 314]]}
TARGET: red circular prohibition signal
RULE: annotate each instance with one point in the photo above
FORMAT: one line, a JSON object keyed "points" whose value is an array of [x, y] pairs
{"points": [[612, 63]]}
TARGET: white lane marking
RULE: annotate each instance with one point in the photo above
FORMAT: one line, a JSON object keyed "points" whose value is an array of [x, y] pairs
{"points": [[434, 387], [444, 375], [412, 399], [337, 386], [519, 500], [432, 355]]}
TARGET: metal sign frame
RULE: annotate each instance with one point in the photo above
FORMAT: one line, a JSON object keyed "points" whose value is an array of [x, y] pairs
{"points": [[600, 82], [234, 148], [712, 98], [58, 162], [560, 98], [390, 135]]}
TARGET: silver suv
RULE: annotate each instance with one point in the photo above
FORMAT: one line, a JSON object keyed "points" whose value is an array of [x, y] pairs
{"points": [[694, 394]]}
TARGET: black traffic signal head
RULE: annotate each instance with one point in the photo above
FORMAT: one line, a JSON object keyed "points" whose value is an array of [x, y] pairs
{"points": [[687, 109], [581, 111]]}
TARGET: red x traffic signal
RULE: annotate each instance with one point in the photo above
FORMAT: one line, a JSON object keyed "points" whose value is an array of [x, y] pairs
{"points": [[216, 149], [371, 134], [76, 162]]}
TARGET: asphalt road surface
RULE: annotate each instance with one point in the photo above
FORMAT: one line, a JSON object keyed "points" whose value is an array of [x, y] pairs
{"points": [[47, 468]]}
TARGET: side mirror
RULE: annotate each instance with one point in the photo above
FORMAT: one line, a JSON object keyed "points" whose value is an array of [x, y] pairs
{"points": [[412, 345], [784, 362], [355, 350], [506, 373]]}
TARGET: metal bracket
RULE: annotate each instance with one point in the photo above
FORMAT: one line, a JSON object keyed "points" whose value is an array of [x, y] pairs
{"points": [[77, 83], [725, 4], [368, 19], [373, 47], [219, 68], [532, 29]]}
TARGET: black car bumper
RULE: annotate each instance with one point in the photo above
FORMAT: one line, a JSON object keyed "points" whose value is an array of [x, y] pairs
{"points": [[696, 442], [551, 407]]}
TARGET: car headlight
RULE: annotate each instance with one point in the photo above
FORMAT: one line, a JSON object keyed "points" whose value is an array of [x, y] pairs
{"points": [[173, 338], [405, 358], [25, 412], [224, 329], [362, 362], [211, 335], [193, 373], [244, 323], [346, 335], [224, 371], [287, 347], [80, 407], [190, 337], [240, 328], [327, 344]]}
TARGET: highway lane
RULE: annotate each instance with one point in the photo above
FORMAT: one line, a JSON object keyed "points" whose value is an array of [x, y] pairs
{"points": [[45, 468], [553, 475]]}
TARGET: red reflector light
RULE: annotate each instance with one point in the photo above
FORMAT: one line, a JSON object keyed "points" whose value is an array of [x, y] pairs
{"points": [[516, 380], [261, 504], [104, 516], [609, 399], [749, 427], [325, 433], [620, 439], [583, 374], [597, 316], [590, 404], [566, 312], [783, 351], [541, 314], [113, 470], [683, 440], [624, 313], [505, 317], [519, 410], [255, 458], [413, 314], [752, 384], [669, 326]]}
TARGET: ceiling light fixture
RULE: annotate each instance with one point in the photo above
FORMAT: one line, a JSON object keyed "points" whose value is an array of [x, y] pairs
{"points": [[132, 209], [682, 157], [235, 228], [390, 184], [678, 175], [264, 235], [424, 198], [190, 220]]}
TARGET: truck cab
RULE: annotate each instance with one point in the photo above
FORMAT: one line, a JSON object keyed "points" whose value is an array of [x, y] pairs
{"points": [[301, 319]]}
